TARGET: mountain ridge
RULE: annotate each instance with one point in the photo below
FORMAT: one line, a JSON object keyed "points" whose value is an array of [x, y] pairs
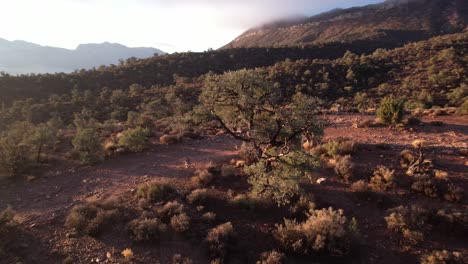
{"points": [[22, 57]]}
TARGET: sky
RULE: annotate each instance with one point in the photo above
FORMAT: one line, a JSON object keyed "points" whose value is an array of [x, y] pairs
{"points": [[170, 25]]}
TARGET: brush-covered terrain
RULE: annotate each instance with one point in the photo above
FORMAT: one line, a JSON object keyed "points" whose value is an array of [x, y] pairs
{"points": [[336, 153]]}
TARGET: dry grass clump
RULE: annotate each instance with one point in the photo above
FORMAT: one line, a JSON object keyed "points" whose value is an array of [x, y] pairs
{"points": [[180, 223], [146, 229], [426, 185], [169, 139], [409, 223], [383, 179], [438, 185], [249, 202], [344, 167], [197, 196], [203, 177], [218, 239], [324, 230], [209, 217], [179, 259], [155, 191], [271, 257], [92, 218], [361, 188], [442, 257]]}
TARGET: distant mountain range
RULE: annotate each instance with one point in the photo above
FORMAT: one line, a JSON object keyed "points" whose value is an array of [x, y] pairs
{"points": [[392, 22], [21, 57]]}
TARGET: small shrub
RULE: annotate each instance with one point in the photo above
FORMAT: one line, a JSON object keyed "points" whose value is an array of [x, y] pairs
{"points": [[409, 223], [197, 196], [324, 230], [442, 257], [383, 179], [146, 229], [92, 218], [463, 109], [179, 259], [426, 185], [87, 145], [303, 205], [7, 225], [218, 239], [413, 121], [127, 254], [344, 167], [169, 139], [451, 219], [391, 110], [180, 223], [453, 194], [155, 192], [209, 217], [247, 153], [249, 202], [135, 140], [406, 158], [170, 209], [338, 146], [271, 257], [228, 171], [361, 188], [203, 177]]}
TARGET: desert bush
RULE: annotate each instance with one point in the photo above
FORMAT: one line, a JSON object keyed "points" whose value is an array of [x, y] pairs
{"points": [[344, 167], [324, 230], [198, 196], [413, 121], [169, 139], [146, 229], [128, 254], [453, 193], [170, 209], [203, 177], [338, 146], [406, 158], [190, 134], [218, 239], [155, 191], [425, 184], [92, 218], [180, 223], [442, 257], [135, 139], [271, 257], [391, 110], [304, 204], [249, 202], [382, 179], [228, 171], [409, 222], [248, 153], [463, 109], [179, 259], [361, 188], [7, 226], [87, 145], [451, 219], [209, 217]]}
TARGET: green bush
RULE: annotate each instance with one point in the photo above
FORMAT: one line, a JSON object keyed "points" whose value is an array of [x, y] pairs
{"points": [[146, 229], [135, 139], [87, 145], [155, 191], [92, 218], [218, 239], [391, 110]]}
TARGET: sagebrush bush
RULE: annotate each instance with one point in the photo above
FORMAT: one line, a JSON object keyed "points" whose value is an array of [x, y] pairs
{"points": [[271, 257], [442, 257], [203, 177], [218, 239], [382, 179], [344, 167], [409, 222], [155, 191], [361, 188], [463, 109], [169, 210], [197, 196], [92, 218], [425, 184], [135, 139], [338, 146], [87, 145], [248, 201], [453, 193], [450, 219], [324, 230], [146, 229], [391, 110], [180, 223], [303, 205]]}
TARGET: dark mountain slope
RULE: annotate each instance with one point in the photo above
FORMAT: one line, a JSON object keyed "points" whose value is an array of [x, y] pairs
{"points": [[392, 22]]}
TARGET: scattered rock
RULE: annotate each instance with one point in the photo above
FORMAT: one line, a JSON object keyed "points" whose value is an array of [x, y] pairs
{"points": [[321, 180]]}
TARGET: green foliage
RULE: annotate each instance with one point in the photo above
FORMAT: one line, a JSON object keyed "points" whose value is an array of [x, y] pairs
{"points": [[391, 110], [87, 145], [155, 192], [135, 139], [92, 218], [361, 101], [463, 109]]}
